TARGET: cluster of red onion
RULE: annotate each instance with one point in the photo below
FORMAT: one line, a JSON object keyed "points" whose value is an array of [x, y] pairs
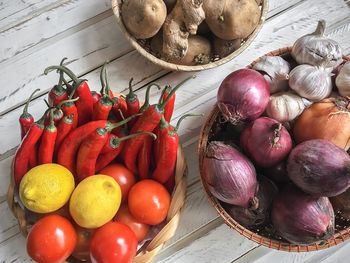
{"points": [[307, 174]]}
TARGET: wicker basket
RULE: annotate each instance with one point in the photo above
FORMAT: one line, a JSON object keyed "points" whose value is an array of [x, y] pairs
{"points": [[151, 248], [174, 67], [342, 232]]}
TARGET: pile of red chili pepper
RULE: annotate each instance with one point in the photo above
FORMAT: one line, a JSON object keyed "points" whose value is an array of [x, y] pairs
{"points": [[85, 131]]}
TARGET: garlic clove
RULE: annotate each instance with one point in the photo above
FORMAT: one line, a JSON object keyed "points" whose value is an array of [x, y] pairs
{"points": [[313, 48], [342, 81]]}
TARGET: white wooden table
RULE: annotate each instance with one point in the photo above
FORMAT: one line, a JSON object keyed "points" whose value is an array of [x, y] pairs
{"points": [[37, 33]]}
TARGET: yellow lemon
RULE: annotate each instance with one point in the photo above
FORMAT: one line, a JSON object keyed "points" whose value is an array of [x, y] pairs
{"points": [[46, 188], [95, 201]]}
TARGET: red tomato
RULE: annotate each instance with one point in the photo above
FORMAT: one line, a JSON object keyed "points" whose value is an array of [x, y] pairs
{"points": [[122, 175], [124, 216], [81, 250], [113, 242], [51, 240], [149, 202]]}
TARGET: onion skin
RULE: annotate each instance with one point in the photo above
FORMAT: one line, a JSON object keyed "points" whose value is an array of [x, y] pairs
{"points": [[342, 203], [250, 217], [328, 119], [229, 175], [243, 95], [301, 218], [266, 141], [320, 168]]}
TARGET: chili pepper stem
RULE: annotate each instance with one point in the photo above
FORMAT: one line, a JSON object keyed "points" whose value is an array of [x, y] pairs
{"points": [[103, 85], [146, 102], [162, 105], [115, 142], [67, 71], [66, 101], [174, 131], [25, 113], [131, 97], [111, 126]]}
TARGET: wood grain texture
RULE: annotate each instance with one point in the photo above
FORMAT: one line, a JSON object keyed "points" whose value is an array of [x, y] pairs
{"points": [[197, 96]]}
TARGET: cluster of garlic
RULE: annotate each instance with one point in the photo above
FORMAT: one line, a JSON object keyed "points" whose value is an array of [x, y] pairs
{"points": [[310, 81]]}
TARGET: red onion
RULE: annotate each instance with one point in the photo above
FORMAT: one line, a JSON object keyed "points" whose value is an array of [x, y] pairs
{"points": [[319, 168], [266, 141], [278, 172], [301, 218], [243, 95], [256, 216], [230, 176]]}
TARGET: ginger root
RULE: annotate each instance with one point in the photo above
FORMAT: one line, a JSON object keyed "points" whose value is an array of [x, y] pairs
{"points": [[179, 24]]}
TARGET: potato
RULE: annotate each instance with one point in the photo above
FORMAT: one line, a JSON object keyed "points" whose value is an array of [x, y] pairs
{"points": [[231, 19], [198, 52], [223, 48], [143, 18]]}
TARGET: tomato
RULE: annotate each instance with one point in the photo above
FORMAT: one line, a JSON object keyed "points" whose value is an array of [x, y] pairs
{"points": [[122, 175], [51, 240], [113, 242], [124, 216], [149, 202], [81, 250]]}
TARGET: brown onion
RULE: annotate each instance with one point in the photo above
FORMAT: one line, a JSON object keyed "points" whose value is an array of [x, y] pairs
{"points": [[320, 168], [301, 218], [266, 141], [230, 176], [260, 215], [328, 119]]}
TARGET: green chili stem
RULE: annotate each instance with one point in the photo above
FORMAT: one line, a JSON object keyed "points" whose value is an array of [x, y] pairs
{"points": [[131, 96], [66, 70], [173, 132], [66, 101], [111, 126], [25, 110], [146, 103], [163, 104], [102, 79]]}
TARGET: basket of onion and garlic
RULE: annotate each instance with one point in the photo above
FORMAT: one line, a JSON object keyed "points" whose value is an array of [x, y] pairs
{"points": [[273, 154]]}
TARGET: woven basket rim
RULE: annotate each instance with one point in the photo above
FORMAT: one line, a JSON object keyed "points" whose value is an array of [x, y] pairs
{"points": [[175, 67], [151, 248], [337, 238]]}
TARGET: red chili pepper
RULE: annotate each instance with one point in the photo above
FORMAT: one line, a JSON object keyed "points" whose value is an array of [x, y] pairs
{"points": [[89, 151], [33, 158], [69, 146], [168, 143], [119, 104], [105, 103], [95, 96], [58, 113], [144, 158], [20, 164], [58, 93], [169, 108], [117, 143], [147, 122], [26, 119], [132, 103], [47, 144], [91, 148], [80, 89], [63, 128]]}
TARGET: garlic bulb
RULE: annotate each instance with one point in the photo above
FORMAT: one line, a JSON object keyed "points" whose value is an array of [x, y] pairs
{"points": [[277, 70], [343, 80], [313, 48], [286, 106], [311, 82]]}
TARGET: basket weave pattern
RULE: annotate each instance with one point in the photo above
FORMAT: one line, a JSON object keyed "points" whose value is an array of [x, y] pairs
{"points": [[116, 7], [151, 248], [337, 238]]}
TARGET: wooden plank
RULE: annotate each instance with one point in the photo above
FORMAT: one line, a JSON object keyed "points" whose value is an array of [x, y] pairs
{"points": [[17, 11], [56, 19]]}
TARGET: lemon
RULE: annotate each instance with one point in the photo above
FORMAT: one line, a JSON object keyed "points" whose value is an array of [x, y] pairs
{"points": [[46, 188], [95, 201]]}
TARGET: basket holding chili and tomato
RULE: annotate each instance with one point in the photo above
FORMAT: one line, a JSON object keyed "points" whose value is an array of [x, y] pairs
{"points": [[91, 133]]}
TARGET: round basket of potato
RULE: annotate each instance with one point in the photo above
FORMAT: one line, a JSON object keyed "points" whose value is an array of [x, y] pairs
{"points": [[189, 35]]}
